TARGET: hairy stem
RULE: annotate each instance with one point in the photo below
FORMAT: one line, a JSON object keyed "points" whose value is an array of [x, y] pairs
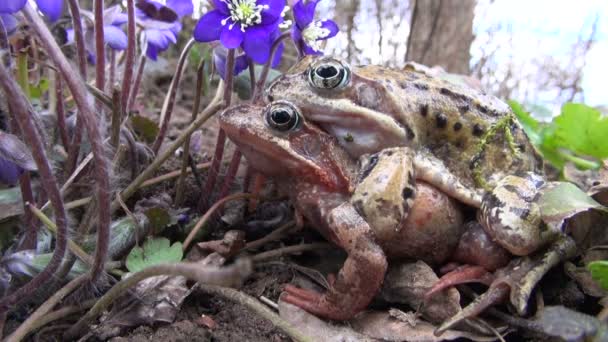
{"points": [[100, 50], [78, 37], [235, 162], [30, 239], [60, 109], [91, 124], [138, 76], [257, 92], [169, 102], [231, 276], [129, 56], [23, 115], [199, 93]]}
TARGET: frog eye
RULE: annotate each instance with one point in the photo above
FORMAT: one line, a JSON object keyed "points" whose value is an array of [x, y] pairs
{"points": [[282, 116], [328, 73]]}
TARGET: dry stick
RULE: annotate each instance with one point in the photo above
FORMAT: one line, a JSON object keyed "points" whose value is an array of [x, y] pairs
{"points": [[231, 275], [274, 235], [221, 137], [130, 56], [290, 250], [27, 326], [257, 307], [89, 119], [199, 93], [60, 313], [21, 108], [208, 214], [168, 104], [257, 92], [138, 76]]}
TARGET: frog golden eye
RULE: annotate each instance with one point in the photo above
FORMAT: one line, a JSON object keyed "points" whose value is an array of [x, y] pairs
{"points": [[328, 73], [282, 117]]}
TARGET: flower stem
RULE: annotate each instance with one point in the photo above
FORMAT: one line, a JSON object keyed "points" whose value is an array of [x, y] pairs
{"points": [[30, 239], [257, 92], [4, 43], [199, 93], [112, 69], [221, 137], [138, 76], [60, 109], [129, 56], [169, 102], [23, 115], [79, 37], [23, 73], [230, 276], [90, 122], [100, 51], [235, 162]]}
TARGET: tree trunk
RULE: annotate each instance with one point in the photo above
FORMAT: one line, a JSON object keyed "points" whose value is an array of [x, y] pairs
{"points": [[441, 33]]}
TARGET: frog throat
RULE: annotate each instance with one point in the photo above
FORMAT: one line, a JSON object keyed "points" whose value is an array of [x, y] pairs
{"points": [[503, 124]]}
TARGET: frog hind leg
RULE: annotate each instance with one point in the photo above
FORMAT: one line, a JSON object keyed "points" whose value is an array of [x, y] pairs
{"points": [[461, 275], [359, 279]]}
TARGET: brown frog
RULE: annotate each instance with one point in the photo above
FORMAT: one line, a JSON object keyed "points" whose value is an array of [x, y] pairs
{"points": [[372, 208], [473, 136]]}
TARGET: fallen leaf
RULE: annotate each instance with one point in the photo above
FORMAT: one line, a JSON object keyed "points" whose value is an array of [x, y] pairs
{"points": [[569, 325], [561, 201]]}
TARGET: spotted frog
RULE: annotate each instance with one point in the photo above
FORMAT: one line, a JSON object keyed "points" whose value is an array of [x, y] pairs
{"points": [[472, 135], [372, 207]]}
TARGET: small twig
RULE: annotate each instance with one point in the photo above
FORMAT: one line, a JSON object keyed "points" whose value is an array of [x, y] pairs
{"points": [[33, 320], [257, 307], [290, 250], [229, 276], [273, 236], [208, 214], [61, 313], [268, 302]]}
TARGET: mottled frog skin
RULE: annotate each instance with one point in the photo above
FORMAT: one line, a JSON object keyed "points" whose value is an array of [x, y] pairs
{"points": [[368, 108]]}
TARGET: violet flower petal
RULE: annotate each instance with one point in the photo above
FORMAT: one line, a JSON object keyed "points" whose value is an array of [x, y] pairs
{"points": [[209, 27], [51, 8], [152, 52], [181, 7], [331, 26], [220, 55], [11, 6], [115, 37], [9, 172], [221, 6], [304, 13], [257, 43], [231, 38], [10, 22], [158, 38], [273, 13]]}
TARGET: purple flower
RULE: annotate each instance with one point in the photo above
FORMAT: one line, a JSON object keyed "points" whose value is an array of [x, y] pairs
{"points": [[113, 35], [308, 33], [161, 23], [50, 8], [9, 22], [15, 158], [250, 24], [220, 54]]}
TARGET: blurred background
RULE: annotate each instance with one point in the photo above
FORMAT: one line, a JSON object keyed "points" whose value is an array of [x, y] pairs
{"points": [[541, 53]]}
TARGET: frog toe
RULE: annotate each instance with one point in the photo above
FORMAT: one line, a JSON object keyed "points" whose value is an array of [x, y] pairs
{"points": [[461, 275], [315, 303]]}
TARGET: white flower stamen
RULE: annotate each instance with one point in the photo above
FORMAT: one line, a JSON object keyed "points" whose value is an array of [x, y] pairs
{"points": [[313, 34], [244, 12]]}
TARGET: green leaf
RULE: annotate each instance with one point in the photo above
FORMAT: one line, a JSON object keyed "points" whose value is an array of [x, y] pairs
{"points": [[530, 125], [38, 90], [563, 201], [582, 129], [599, 272], [154, 251], [145, 128]]}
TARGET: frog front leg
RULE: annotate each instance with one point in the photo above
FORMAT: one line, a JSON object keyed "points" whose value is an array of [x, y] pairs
{"points": [[359, 279]]}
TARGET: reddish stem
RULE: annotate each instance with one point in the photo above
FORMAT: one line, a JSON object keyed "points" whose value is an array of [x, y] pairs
{"points": [[63, 132], [138, 76], [91, 124], [79, 37], [257, 92], [232, 170], [23, 115], [129, 57], [100, 51], [112, 70], [30, 239], [167, 110]]}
